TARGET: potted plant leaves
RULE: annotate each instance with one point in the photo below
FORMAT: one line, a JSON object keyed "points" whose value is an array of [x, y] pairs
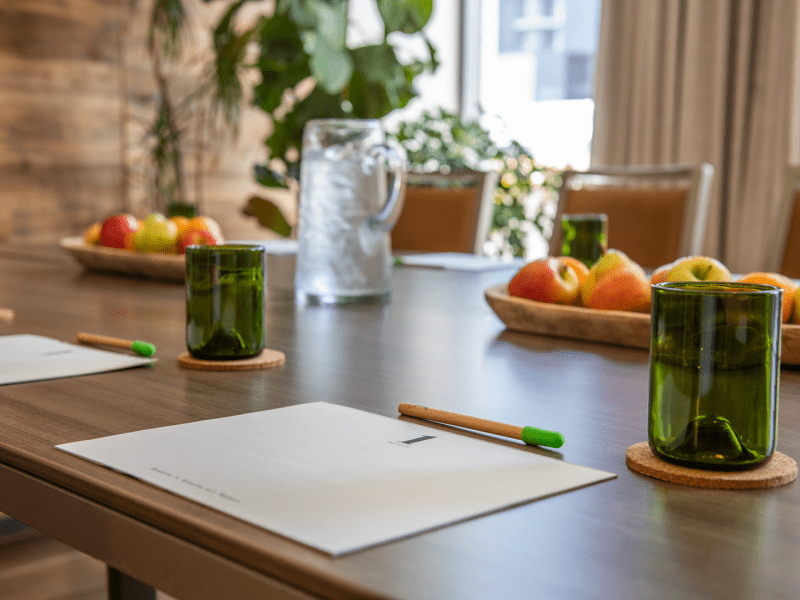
{"points": [[467, 192], [309, 71]]}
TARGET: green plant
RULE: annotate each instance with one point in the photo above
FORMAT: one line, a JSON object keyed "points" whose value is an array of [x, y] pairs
{"points": [[185, 110], [307, 71], [444, 142]]}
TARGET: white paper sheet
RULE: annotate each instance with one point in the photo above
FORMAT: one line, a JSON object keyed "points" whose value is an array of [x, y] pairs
{"points": [[34, 358], [457, 261], [335, 478]]}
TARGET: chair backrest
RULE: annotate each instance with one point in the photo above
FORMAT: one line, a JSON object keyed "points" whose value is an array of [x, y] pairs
{"points": [[655, 213], [785, 255], [438, 217]]}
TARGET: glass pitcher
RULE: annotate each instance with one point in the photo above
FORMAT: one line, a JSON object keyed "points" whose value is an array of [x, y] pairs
{"points": [[348, 206]]}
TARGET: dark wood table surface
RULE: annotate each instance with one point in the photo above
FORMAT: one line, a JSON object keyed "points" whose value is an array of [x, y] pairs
{"points": [[437, 343]]}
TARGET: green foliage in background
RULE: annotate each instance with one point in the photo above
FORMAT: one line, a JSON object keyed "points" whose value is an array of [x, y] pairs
{"points": [[308, 70], [167, 20], [443, 142]]}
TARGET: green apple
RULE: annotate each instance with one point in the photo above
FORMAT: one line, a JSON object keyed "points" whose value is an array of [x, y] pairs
{"points": [[699, 268], [157, 234]]}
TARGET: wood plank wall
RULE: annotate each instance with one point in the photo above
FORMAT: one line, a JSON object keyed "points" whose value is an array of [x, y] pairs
{"points": [[76, 93]]}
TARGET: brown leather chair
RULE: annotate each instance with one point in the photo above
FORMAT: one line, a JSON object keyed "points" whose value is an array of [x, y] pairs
{"points": [[656, 214], [785, 256], [440, 217]]}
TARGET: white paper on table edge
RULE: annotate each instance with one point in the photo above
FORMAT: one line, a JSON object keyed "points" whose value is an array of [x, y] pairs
{"points": [[317, 527]]}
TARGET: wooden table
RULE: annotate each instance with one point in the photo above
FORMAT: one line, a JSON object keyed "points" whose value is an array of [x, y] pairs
{"points": [[438, 344]]}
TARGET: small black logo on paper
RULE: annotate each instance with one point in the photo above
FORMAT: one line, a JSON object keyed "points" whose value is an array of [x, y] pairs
{"points": [[419, 439]]}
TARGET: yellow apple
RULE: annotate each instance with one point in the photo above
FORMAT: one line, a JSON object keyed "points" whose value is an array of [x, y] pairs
{"points": [[157, 234], [698, 268], [92, 234], [660, 274], [546, 280]]}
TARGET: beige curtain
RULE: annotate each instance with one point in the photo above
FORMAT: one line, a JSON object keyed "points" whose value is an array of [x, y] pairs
{"points": [[684, 81]]}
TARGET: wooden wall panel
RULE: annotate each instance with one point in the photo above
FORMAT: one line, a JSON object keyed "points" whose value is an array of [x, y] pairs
{"points": [[59, 117], [227, 162], [76, 96]]}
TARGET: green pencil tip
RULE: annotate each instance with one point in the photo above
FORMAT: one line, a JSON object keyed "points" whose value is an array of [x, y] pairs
{"points": [[542, 437], [143, 348]]}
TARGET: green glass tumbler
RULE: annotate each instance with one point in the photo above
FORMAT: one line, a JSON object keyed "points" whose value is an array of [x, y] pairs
{"points": [[181, 209], [225, 301], [584, 236], [715, 357]]}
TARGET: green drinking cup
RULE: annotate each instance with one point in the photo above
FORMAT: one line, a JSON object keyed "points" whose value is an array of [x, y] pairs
{"points": [[225, 301], [584, 236], [715, 356]]}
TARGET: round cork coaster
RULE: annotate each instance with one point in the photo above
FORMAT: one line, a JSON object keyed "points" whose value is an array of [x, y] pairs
{"points": [[266, 360], [780, 470]]}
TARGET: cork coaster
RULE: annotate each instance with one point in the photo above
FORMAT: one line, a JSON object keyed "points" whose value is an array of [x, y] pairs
{"points": [[266, 360], [780, 470]]}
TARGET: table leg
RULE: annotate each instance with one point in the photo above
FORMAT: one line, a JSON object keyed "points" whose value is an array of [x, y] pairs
{"points": [[125, 587]]}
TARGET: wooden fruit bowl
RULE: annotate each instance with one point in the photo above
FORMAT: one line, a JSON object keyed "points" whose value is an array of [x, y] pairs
{"points": [[171, 267], [605, 326]]}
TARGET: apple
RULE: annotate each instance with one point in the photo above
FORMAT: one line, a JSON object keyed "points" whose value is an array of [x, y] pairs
{"points": [[615, 282], [581, 270], [205, 224], [128, 239], [796, 306], [546, 280], [157, 234], [195, 238], [200, 231], [612, 260], [778, 280], [180, 222], [698, 268], [92, 234], [115, 228], [660, 274]]}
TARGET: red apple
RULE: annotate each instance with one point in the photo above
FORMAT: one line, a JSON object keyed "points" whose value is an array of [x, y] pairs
{"points": [[615, 282], [581, 270], [546, 280], [624, 289], [196, 238], [116, 228], [200, 231]]}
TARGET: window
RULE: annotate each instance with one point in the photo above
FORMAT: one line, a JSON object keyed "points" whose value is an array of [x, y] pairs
{"points": [[532, 63]]}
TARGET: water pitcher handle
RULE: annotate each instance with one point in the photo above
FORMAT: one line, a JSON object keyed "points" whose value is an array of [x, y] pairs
{"points": [[395, 157]]}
